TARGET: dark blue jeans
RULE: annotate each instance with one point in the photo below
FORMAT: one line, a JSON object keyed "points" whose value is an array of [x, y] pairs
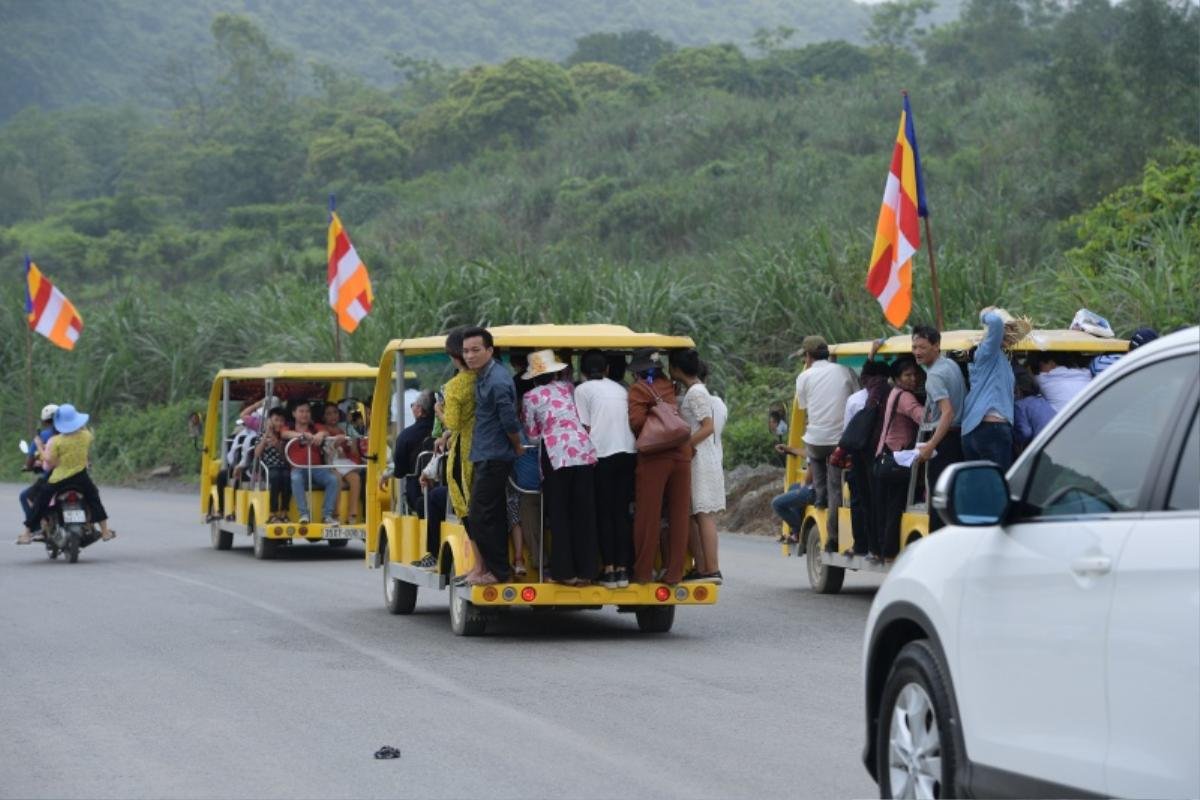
{"points": [[990, 441], [789, 506]]}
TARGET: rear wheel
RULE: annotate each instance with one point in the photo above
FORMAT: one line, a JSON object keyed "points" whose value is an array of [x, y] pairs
{"points": [[655, 619], [399, 596], [71, 547], [915, 742], [264, 548], [221, 540], [823, 578], [465, 619]]}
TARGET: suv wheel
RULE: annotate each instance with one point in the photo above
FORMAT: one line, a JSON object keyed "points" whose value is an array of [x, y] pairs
{"points": [[915, 740]]}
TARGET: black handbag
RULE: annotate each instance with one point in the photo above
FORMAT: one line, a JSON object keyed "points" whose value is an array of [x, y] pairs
{"points": [[884, 467], [856, 438]]}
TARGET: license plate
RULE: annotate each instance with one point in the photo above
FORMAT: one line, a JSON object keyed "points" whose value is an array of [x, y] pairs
{"points": [[73, 515], [335, 532]]}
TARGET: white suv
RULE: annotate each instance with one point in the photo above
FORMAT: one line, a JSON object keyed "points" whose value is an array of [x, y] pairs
{"points": [[1046, 643]]}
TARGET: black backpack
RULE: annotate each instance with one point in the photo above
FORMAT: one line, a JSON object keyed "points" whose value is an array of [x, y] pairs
{"points": [[860, 430]]}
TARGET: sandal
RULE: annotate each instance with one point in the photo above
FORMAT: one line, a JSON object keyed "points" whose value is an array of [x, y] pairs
{"points": [[111, 535], [519, 569], [25, 538]]}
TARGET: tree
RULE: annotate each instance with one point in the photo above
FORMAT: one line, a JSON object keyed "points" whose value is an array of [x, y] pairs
{"points": [[637, 51], [358, 149], [514, 98], [592, 78], [719, 66], [894, 23]]}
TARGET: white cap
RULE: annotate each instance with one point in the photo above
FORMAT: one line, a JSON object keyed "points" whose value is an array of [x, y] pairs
{"points": [[48, 411]]}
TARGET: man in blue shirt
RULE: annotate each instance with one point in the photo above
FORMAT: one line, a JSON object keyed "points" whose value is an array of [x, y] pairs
{"points": [[495, 444], [987, 419], [34, 461]]}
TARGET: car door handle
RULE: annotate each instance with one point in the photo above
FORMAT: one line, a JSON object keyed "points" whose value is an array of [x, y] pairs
{"points": [[1092, 565]]}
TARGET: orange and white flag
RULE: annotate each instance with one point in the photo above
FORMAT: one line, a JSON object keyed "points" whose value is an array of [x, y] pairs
{"points": [[897, 235], [349, 285], [49, 311]]}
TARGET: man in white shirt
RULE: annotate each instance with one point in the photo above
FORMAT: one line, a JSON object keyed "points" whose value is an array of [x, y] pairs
{"points": [[1058, 383], [822, 390]]}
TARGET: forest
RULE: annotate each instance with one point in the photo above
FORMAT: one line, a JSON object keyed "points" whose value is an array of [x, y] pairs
{"points": [[725, 191]]}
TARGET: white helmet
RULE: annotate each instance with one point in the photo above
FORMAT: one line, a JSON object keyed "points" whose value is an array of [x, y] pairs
{"points": [[48, 411]]}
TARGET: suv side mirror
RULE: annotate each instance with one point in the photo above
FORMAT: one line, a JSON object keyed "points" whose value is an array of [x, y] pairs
{"points": [[973, 493]]}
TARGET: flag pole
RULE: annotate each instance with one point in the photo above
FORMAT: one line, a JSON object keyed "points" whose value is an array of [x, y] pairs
{"points": [[337, 329], [937, 294], [29, 421]]}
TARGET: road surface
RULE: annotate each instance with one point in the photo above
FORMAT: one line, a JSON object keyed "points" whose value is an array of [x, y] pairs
{"points": [[158, 667]]}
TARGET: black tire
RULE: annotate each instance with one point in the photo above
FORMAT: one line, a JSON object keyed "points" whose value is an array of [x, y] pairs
{"points": [[823, 578], [338, 542], [465, 618], [264, 548], [917, 692], [71, 547], [221, 539], [52, 552], [655, 619], [400, 597]]}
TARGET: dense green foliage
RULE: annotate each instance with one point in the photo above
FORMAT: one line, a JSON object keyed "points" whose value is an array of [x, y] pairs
{"points": [[60, 53], [726, 195]]}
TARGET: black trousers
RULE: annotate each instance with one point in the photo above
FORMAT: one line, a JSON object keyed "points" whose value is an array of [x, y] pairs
{"points": [[222, 482], [862, 513], [487, 515], [949, 452], [435, 514], [570, 495], [614, 478], [890, 496], [80, 482], [279, 486]]}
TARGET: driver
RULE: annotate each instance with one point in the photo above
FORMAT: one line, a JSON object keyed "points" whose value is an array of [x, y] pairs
{"points": [[35, 460]]}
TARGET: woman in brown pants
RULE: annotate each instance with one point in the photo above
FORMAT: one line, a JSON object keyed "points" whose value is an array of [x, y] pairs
{"points": [[668, 472]]}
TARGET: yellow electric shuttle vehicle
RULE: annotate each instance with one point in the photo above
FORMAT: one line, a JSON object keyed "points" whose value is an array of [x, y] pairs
{"points": [[238, 407], [827, 570], [396, 533]]}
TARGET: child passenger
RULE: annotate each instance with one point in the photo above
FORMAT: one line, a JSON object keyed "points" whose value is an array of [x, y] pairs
{"points": [[568, 462]]}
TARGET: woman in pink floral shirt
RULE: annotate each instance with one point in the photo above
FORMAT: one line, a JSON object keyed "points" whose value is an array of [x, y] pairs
{"points": [[568, 462]]}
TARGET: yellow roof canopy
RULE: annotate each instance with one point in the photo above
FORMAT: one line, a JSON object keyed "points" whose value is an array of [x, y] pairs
{"points": [[1050, 341], [329, 371], [537, 337]]}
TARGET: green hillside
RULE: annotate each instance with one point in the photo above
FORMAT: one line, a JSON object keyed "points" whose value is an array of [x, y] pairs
{"points": [[726, 194], [58, 53]]}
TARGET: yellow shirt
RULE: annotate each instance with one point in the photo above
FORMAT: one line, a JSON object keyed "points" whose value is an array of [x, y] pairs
{"points": [[71, 450]]}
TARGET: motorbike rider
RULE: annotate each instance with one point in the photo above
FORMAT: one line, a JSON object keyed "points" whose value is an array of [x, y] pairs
{"points": [[36, 458], [67, 458]]}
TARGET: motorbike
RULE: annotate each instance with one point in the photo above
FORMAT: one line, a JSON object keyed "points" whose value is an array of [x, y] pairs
{"points": [[67, 527]]}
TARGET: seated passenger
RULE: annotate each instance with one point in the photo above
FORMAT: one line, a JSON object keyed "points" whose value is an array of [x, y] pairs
{"points": [[790, 505], [414, 439], [269, 453], [241, 448], [1058, 383], [305, 453], [1032, 412], [341, 451], [436, 499], [67, 457]]}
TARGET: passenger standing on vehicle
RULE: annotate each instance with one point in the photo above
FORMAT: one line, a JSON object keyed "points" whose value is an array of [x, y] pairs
{"points": [[305, 455], [1139, 337], [1058, 383], [67, 456], [945, 393], [987, 418], [569, 460], [457, 413], [667, 472], [603, 406], [1031, 411], [495, 444], [269, 453], [822, 390], [708, 476], [870, 399], [902, 416], [35, 460]]}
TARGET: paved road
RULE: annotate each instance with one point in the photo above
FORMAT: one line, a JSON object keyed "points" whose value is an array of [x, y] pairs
{"points": [[158, 667]]}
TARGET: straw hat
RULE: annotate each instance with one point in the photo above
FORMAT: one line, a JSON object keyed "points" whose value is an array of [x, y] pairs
{"points": [[1015, 328], [542, 362]]}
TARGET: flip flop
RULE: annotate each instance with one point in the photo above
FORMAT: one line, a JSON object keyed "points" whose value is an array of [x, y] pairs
{"points": [[111, 535]]}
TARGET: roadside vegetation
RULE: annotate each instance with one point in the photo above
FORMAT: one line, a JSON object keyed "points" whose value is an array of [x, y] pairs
{"points": [[726, 194]]}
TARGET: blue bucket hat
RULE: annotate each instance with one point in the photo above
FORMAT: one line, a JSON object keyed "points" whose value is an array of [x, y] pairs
{"points": [[68, 420]]}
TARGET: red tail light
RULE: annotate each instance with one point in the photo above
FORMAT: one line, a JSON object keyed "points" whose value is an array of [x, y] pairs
{"points": [[662, 594], [72, 497], [529, 594]]}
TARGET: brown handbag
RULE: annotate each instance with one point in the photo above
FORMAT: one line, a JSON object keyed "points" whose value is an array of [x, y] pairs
{"points": [[664, 428]]}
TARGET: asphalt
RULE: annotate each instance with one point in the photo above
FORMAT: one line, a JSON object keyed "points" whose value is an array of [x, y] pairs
{"points": [[158, 667]]}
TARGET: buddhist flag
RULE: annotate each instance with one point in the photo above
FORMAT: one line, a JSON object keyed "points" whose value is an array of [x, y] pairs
{"points": [[50, 312], [349, 285], [897, 235]]}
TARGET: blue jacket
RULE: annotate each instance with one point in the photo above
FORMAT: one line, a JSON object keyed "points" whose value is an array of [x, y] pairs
{"points": [[991, 377], [495, 414]]}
